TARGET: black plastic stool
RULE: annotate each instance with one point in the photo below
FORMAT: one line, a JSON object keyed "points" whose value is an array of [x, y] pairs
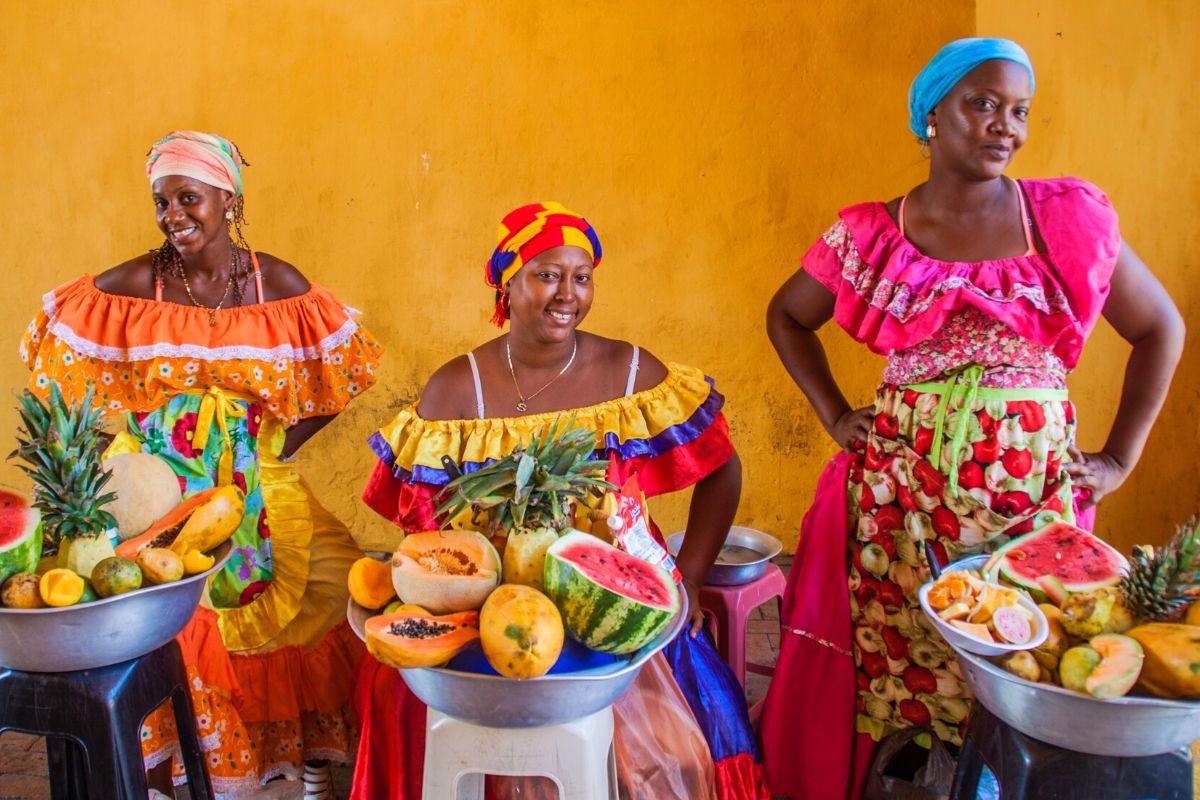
{"points": [[1027, 769], [92, 722]]}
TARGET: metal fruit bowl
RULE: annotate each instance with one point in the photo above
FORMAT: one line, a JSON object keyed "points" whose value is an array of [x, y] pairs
{"points": [[494, 701], [725, 573], [1124, 727], [102, 632]]}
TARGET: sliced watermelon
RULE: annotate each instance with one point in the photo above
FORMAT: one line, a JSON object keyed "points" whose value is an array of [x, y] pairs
{"points": [[1076, 558], [20, 534], [610, 600]]}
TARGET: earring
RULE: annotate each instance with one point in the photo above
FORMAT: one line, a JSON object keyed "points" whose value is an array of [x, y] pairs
{"points": [[229, 215], [504, 299], [930, 131]]}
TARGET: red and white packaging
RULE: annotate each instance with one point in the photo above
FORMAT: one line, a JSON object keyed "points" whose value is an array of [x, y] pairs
{"points": [[631, 530]]}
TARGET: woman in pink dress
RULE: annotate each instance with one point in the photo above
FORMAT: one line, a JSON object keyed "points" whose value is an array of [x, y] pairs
{"points": [[980, 291]]}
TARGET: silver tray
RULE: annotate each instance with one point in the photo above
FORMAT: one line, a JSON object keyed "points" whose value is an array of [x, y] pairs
{"points": [[722, 574], [102, 632], [494, 701], [1124, 727]]}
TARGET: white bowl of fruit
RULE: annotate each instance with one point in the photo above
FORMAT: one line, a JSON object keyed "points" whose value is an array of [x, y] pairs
{"points": [[981, 616]]}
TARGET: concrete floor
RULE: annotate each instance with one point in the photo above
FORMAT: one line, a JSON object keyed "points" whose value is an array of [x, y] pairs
{"points": [[23, 758]]}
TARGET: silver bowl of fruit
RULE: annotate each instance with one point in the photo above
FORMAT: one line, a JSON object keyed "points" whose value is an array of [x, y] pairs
{"points": [[102, 632], [743, 557], [1126, 727], [497, 702]]}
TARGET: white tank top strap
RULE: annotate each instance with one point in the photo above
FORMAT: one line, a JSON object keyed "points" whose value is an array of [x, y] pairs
{"points": [[633, 369], [1026, 222], [478, 386]]}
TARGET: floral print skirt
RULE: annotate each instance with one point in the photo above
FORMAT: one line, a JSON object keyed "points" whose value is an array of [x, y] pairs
{"points": [[964, 468]]}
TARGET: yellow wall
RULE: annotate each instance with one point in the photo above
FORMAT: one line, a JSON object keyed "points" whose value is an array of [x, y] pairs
{"points": [[708, 145]]}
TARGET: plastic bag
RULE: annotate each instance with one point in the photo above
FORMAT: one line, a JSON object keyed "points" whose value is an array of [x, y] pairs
{"points": [[932, 781], [661, 753]]}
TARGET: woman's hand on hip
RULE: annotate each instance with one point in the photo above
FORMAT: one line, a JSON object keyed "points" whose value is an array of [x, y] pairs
{"points": [[1099, 473], [851, 428]]}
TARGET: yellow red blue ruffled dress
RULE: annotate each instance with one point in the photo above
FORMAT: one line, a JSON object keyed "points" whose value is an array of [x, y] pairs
{"points": [[670, 436], [269, 654]]}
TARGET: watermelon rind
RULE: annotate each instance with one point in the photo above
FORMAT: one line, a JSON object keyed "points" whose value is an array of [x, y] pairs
{"points": [[22, 546], [1104, 574], [600, 618]]}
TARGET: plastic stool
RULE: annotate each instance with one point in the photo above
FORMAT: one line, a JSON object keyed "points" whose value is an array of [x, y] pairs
{"points": [[577, 756], [1027, 769], [731, 606], [92, 722]]}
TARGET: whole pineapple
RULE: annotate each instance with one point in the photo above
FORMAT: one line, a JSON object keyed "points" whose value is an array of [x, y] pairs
{"points": [[61, 445], [528, 496], [1163, 581]]}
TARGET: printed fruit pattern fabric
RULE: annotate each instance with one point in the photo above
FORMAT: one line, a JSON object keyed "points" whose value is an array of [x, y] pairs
{"points": [[1009, 479]]}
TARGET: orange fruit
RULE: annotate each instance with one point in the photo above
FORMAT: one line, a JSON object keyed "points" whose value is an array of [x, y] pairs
{"points": [[60, 587]]}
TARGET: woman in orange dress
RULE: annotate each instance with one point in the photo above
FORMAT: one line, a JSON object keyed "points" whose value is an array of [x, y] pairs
{"points": [[224, 362]]}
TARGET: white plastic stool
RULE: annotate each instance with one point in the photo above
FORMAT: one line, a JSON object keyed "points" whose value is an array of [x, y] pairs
{"points": [[577, 756]]}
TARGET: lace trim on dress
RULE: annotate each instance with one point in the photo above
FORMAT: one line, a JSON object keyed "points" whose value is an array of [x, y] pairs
{"points": [[199, 352], [898, 300]]}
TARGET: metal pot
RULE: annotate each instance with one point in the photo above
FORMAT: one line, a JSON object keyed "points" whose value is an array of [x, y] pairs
{"points": [[102, 632], [1124, 727], [497, 702], [730, 574]]}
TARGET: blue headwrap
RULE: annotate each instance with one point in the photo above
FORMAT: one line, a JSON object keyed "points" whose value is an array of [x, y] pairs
{"points": [[948, 68]]}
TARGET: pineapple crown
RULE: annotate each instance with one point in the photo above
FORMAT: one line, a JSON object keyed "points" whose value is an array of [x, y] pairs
{"points": [[1163, 581], [533, 486], [61, 444]]}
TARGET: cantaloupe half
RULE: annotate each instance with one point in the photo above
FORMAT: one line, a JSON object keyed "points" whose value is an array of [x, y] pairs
{"points": [[146, 488], [445, 571]]}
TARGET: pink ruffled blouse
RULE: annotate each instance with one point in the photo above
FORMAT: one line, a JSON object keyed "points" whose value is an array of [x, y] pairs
{"points": [[1025, 318]]}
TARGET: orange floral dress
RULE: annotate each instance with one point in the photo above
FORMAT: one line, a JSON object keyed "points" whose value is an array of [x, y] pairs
{"points": [[270, 657]]}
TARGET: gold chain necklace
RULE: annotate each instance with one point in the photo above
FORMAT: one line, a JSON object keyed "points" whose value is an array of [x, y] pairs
{"points": [[212, 312], [524, 401]]}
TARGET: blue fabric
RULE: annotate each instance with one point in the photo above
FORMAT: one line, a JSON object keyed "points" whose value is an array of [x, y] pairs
{"points": [[714, 695], [949, 66]]}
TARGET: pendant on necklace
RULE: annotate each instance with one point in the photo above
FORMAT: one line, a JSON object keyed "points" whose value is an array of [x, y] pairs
{"points": [[521, 406], [212, 319]]}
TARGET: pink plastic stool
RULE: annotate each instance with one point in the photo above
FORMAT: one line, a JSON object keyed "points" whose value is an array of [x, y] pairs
{"points": [[730, 606]]}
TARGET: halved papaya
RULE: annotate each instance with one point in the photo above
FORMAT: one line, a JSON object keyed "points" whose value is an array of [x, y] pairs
{"points": [[445, 571], [200, 522], [408, 640]]}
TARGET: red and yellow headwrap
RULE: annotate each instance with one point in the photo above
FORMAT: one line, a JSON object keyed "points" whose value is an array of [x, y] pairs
{"points": [[204, 156], [528, 231]]}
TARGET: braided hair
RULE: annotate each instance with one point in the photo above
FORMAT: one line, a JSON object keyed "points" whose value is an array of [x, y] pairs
{"points": [[165, 260]]}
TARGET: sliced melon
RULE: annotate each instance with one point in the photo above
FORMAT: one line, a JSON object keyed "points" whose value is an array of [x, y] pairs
{"points": [[445, 571], [1076, 558]]}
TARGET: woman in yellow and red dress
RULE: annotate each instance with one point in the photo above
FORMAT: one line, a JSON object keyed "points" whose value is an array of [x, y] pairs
{"points": [[225, 361], [661, 422]]}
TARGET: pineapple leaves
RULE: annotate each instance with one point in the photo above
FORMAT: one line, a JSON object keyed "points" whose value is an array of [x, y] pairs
{"points": [[534, 486], [61, 446]]}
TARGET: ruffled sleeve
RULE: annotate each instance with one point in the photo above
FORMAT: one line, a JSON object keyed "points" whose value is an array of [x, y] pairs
{"points": [[670, 435], [300, 357], [891, 297]]}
